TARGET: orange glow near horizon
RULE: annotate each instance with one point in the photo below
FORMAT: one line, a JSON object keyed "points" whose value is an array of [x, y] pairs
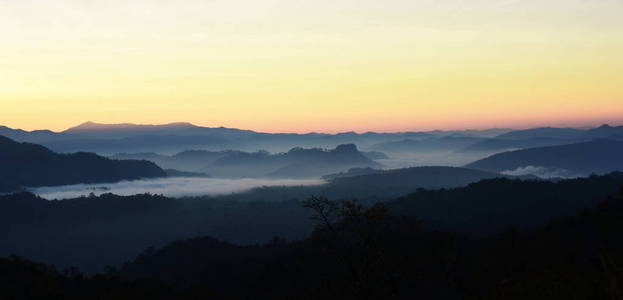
{"points": [[305, 66]]}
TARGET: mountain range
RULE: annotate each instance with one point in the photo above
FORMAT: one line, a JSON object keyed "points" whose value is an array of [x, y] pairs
{"points": [[171, 138], [221, 151], [296, 163]]}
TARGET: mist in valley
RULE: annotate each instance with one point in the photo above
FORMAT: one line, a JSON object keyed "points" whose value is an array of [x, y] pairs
{"points": [[171, 187]]}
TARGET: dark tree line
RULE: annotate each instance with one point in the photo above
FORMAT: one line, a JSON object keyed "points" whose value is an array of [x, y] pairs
{"points": [[358, 251]]}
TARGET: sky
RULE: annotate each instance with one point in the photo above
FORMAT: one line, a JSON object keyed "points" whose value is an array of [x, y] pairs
{"points": [[321, 65]]}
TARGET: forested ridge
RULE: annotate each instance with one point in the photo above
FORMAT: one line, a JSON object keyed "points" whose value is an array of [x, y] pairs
{"points": [[377, 251]]}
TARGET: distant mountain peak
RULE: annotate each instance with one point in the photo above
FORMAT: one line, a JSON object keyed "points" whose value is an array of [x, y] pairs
{"points": [[93, 126], [608, 127], [180, 124]]}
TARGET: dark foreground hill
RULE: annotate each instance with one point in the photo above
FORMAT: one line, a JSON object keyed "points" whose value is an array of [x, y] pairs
{"points": [[491, 205], [369, 254], [372, 254], [597, 156], [93, 232], [363, 253], [30, 165]]}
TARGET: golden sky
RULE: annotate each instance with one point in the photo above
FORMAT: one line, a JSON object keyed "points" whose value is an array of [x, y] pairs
{"points": [[313, 65]]}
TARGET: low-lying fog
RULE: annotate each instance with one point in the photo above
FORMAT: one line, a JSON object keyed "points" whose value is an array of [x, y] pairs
{"points": [[542, 172], [172, 187]]}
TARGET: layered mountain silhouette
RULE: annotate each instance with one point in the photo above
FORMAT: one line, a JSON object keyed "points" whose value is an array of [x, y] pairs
{"points": [[142, 143], [36, 136], [446, 143], [597, 156], [200, 160], [176, 137], [403, 149], [296, 163], [544, 132], [483, 231], [544, 136], [187, 161], [31, 165], [504, 144], [606, 132]]}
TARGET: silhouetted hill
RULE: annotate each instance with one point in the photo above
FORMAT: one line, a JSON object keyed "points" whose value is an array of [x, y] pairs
{"points": [[93, 232], [544, 132], [372, 185], [296, 163], [417, 177], [495, 204], [175, 137], [228, 264], [369, 253], [98, 127], [598, 156], [189, 160], [27, 136], [230, 138], [545, 136], [30, 165], [117, 131], [496, 145], [24, 279], [372, 254], [202, 160], [446, 143], [142, 143], [606, 132]]}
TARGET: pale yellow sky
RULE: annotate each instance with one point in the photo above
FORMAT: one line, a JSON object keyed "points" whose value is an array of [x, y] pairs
{"points": [[322, 65]]}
